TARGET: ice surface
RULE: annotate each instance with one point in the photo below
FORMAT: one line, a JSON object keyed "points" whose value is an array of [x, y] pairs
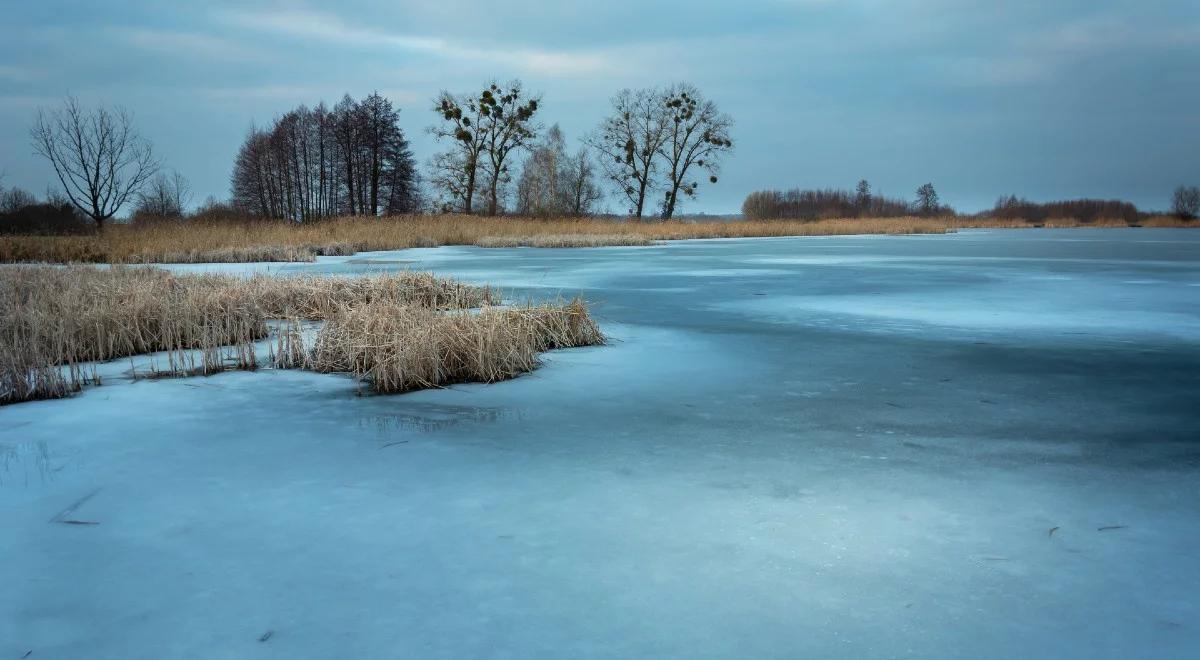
{"points": [[795, 448]]}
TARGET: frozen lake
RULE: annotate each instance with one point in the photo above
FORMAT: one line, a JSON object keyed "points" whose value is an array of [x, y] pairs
{"points": [[981, 445]]}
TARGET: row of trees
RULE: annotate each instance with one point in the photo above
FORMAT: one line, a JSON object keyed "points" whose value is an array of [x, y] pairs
{"points": [[799, 204], [352, 159], [654, 140], [1084, 210]]}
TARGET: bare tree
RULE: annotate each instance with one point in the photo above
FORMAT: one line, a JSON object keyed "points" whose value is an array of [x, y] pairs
{"points": [[579, 184], [927, 200], [628, 141], [451, 176], [164, 197], [485, 131], [697, 136], [506, 125], [553, 183], [539, 190], [456, 172], [1185, 203], [99, 158]]}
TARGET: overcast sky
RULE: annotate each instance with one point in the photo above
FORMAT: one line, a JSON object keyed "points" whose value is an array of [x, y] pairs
{"points": [[1047, 99]]}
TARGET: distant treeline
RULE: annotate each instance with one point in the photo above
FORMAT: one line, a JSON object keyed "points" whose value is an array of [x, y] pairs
{"points": [[22, 213], [1083, 210], [797, 204]]}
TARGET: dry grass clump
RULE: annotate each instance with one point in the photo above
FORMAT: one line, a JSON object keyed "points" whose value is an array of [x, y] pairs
{"points": [[313, 297], [58, 319], [61, 317], [563, 240], [398, 349]]}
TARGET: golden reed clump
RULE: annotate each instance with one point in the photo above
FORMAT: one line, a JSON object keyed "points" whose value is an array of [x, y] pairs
{"points": [[58, 320], [208, 242], [400, 348]]}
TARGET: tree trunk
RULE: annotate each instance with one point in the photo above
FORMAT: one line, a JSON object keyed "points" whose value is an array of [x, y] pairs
{"points": [[470, 189], [669, 207], [375, 181], [492, 195], [350, 181]]}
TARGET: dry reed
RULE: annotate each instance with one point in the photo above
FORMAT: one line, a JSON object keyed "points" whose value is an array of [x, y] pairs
{"points": [[59, 319], [397, 348], [563, 241], [281, 241]]}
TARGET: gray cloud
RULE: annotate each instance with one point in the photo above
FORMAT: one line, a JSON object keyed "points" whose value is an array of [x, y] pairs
{"points": [[1048, 100]]}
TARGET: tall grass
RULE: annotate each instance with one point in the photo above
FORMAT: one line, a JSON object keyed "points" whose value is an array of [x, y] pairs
{"points": [[399, 348], [196, 242], [58, 320]]}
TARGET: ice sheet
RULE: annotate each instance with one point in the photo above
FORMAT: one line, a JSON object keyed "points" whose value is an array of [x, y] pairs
{"points": [[911, 451]]}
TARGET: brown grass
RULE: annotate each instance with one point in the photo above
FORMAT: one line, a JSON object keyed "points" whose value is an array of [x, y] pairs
{"points": [[58, 319], [278, 241], [563, 240], [398, 348]]}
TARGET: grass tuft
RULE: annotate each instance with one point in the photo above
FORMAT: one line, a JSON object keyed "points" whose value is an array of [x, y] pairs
{"points": [[398, 349]]}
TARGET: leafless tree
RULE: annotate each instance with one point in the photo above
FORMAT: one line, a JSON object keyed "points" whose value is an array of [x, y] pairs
{"points": [[627, 142], [454, 180], [456, 172], [485, 130], [697, 136], [554, 183], [1185, 203], [166, 196], [99, 158], [539, 189], [579, 183]]}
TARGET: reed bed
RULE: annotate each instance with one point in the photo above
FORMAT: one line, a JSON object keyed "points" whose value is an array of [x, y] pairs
{"points": [[563, 241], [193, 242], [397, 348], [59, 322]]}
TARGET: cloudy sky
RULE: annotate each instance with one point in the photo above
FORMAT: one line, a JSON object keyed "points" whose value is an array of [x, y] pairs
{"points": [[1043, 98]]}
